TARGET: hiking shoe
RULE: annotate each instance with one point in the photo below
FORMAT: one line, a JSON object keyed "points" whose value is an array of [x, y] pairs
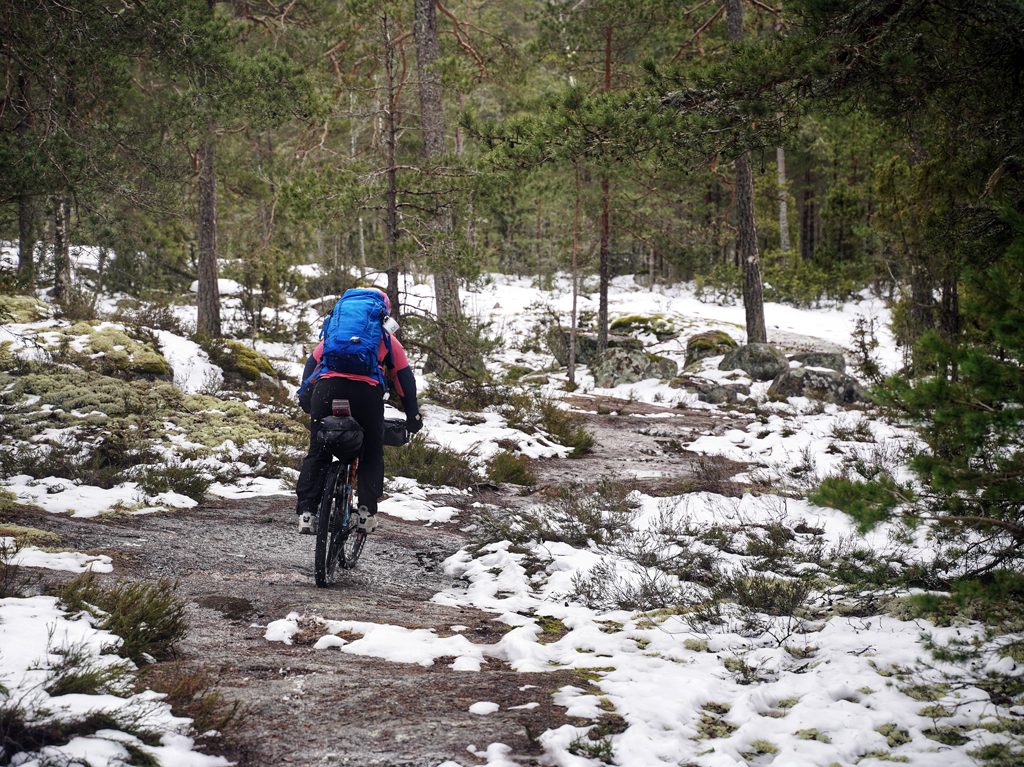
{"points": [[306, 523], [367, 521]]}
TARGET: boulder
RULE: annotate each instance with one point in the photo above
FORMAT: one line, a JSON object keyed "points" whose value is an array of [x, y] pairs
{"points": [[712, 392], [762, 362], [709, 344], [586, 345], [821, 359], [818, 383], [620, 366]]}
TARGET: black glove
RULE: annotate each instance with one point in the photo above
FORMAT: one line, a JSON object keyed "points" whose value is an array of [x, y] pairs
{"points": [[306, 400], [413, 423]]}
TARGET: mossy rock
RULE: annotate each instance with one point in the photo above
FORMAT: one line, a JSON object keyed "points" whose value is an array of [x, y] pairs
{"points": [[650, 324], [112, 350], [557, 339], [29, 536], [156, 408], [712, 343], [239, 361], [818, 384], [624, 366], [22, 309]]}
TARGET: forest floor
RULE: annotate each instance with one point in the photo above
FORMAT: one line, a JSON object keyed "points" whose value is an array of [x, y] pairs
{"points": [[240, 564]]}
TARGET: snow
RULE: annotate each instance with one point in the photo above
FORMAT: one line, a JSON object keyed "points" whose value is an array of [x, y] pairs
{"points": [[36, 633], [70, 561], [193, 371], [63, 496], [224, 286], [483, 708]]}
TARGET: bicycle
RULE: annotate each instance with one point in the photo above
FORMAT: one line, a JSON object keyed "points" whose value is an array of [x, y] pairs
{"points": [[339, 540]]}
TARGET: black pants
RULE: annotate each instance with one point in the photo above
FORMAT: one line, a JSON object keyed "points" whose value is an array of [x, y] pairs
{"points": [[367, 403]]}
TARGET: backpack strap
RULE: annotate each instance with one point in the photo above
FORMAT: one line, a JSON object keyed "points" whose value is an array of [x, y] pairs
{"points": [[386, 338]]}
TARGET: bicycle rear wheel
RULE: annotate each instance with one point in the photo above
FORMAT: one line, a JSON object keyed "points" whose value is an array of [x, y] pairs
{"points": [[332, 526]]}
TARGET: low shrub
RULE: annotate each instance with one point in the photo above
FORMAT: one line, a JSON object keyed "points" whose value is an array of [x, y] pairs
{"points": [[79, 671], [175, 478], [429, 464], [189, 691], [512, 468], [13, 582], [867, 502], [149, 617]]}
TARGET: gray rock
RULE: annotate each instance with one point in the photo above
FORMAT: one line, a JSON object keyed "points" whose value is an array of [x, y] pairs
{"points": [[619, 366], [825, 385], [711, 391], [821, 359], [762, 362], [586, 345]]}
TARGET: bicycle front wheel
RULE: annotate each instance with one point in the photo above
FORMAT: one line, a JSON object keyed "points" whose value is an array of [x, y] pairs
{"points": [[332, 526]]}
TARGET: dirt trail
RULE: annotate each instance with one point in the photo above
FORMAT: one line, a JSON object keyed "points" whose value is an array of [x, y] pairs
{"points": [[240, 565]]}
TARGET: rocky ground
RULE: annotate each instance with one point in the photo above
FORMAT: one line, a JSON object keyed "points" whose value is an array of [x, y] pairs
{"points": [[240, 565]]}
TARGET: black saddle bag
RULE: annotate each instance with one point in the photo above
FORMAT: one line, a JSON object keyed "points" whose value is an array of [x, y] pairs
{"points": [[342, 435]]}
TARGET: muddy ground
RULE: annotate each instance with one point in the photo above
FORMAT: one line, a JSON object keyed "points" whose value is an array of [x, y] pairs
{"points": [[240, 565]]}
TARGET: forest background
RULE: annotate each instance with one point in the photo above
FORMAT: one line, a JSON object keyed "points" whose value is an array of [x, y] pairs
{"points": [[809, 149]]}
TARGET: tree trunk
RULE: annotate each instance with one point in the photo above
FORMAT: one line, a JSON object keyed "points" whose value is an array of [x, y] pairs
{"points": [[746, 242], [26, 203], [26, 238], [446, 286], [391, 188], [604, 269], [575, 283], [208, 296], [61, 249], [780, 161]]}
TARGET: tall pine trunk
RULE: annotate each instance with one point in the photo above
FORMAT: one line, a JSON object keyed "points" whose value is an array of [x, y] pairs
{"points": [[604, 267], [746, 242], [61, 249], [446, 286], [208, 295], [575, 282], [26, 203], [391, 175], [780, 161]]}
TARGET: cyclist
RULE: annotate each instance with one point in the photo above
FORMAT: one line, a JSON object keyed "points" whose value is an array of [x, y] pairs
{"points": [[367, 402]]}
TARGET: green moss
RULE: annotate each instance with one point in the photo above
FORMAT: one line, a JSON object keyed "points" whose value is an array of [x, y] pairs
{"points": [[22, 309], [29, 536], [91, 400], [712, 340], [894, 734], [651, 324], [552, 629], [234, 357], [111, 349], [712, 724], [813, 734], [760, 748], [696, 645]]}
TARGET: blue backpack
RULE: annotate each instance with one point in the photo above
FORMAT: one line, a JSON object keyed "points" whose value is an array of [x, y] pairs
{"points": [[352, 334]]}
